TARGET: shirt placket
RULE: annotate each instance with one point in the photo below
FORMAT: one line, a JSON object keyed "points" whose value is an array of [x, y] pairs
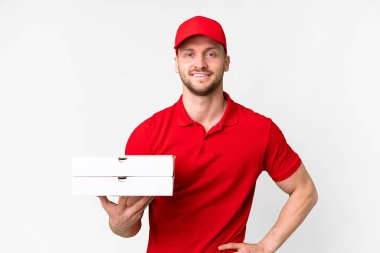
{"points": [[206, 136]]}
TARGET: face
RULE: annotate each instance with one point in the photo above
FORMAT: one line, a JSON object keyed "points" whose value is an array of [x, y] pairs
{"points": [[201, 63]]}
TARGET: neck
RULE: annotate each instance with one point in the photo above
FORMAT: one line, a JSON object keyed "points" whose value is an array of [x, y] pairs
{"points": [[206, 110]]}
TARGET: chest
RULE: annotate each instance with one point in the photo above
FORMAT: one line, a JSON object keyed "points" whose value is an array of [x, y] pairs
{"points": [[228, 156]]}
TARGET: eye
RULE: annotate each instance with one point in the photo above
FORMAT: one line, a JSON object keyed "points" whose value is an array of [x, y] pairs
{"points": [[189, 54], [211, 54]]}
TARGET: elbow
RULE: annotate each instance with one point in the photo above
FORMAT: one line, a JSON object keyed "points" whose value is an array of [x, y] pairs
{"points": [[313, 196]]}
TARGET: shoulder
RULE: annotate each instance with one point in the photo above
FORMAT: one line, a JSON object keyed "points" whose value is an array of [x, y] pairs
{"points": [[262, 124], [139, 141], [248, 116]]}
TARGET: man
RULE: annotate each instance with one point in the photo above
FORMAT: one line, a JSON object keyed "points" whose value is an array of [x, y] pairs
{"points": [[221, 148]]}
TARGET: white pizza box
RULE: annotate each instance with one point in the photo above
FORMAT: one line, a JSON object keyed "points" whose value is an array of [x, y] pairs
{"points": [[131, 175]]}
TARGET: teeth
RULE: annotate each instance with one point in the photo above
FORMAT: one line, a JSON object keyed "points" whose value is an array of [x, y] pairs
{"points": [[200, 75]]}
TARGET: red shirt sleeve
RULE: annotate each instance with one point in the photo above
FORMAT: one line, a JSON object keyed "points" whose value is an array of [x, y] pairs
{"points": [[138, 142], [280, 160]]}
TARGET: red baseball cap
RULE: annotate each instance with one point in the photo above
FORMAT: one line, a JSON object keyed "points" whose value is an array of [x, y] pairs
{"points": [[199, 25]]}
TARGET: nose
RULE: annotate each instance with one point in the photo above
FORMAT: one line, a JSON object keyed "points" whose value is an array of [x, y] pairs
{"points": [[200, 62]]}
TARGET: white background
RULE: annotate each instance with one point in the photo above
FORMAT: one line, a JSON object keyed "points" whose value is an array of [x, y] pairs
{"points": [[76, 77]]}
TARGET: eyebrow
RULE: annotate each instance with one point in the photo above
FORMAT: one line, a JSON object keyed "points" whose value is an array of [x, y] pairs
{"points": [[207, 49]]}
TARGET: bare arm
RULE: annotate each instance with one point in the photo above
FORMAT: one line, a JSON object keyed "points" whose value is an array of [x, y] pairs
{"points": [[302, 198]]}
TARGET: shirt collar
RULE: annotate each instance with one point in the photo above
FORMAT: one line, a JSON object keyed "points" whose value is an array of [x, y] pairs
{"points": [[229, 116]]}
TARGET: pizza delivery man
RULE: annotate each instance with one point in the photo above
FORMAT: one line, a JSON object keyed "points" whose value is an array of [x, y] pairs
{"points": [[221, 148]]}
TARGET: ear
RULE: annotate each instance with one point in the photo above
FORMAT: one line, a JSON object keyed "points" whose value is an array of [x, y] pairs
{"points": [[226, 63], [176, 64]]}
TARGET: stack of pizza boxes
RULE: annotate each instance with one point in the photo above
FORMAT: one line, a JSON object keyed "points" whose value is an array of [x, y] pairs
{"points": [[131, 175]]}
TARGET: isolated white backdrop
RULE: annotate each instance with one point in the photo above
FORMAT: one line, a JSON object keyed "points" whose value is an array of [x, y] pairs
{"points": [[76, 77]]}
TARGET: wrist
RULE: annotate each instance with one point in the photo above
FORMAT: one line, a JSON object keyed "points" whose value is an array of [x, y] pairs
{"points": [[268, 246], [124, 231], [272, 241]]}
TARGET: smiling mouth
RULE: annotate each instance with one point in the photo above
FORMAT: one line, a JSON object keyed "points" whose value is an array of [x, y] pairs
{"points": [[200, 74]]}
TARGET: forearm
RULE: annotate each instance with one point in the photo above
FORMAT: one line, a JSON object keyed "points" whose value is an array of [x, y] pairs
{"points": [[291, 216], [127, 232]]}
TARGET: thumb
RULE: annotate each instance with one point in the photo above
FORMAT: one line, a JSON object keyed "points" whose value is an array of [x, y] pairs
{"points": [[227, 246], [132, 199]]}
